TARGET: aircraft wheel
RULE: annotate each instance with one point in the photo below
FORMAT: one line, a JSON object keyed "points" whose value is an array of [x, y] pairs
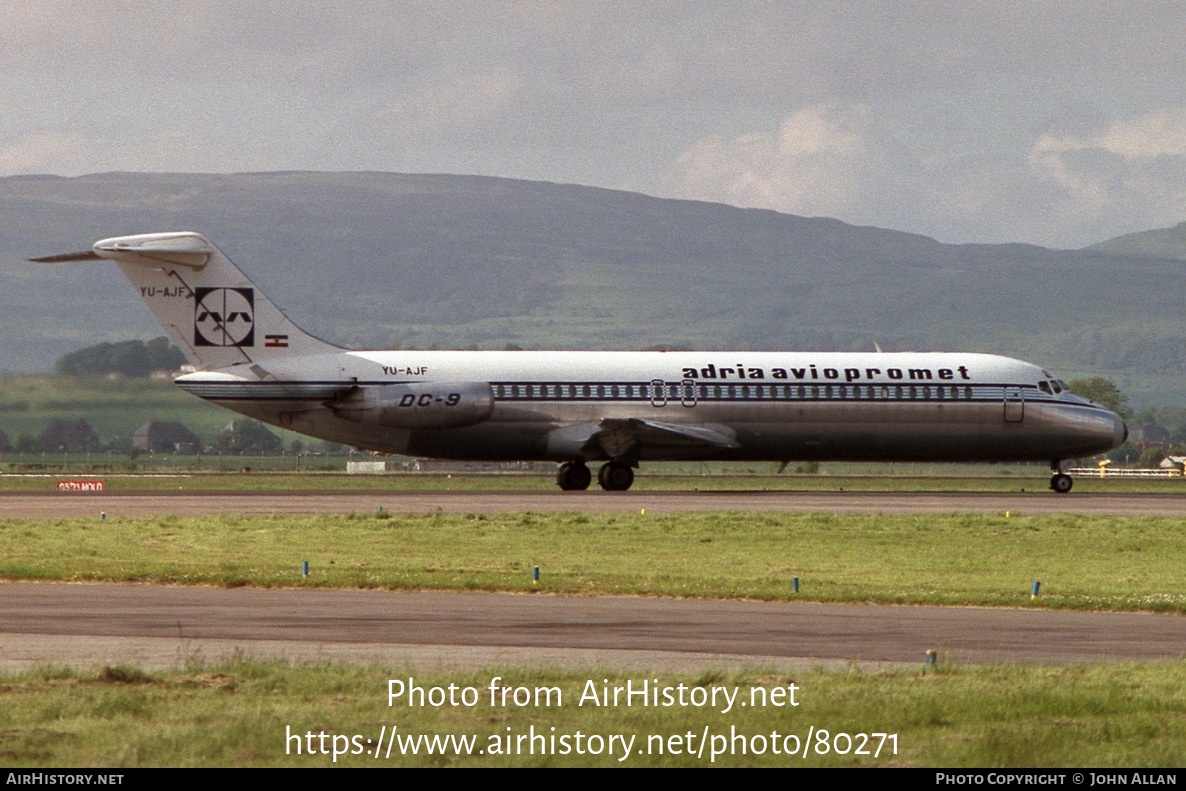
{"points": [[614, 476], [1061, 482], [573, 476]]}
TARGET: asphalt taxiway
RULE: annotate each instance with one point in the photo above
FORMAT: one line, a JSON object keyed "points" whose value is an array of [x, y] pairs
{"points": [[91, 624], [62, 504], [153, 626]]}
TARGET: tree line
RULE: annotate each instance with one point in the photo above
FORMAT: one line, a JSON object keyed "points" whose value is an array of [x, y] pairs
{"points": [[126, 358]]}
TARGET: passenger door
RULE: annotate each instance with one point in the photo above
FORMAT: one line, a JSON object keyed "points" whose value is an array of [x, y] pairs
{"points": [[1014, 404]]}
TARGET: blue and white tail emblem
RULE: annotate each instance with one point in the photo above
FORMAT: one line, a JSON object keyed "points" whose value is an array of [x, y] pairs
{"points": [[224, 317]]}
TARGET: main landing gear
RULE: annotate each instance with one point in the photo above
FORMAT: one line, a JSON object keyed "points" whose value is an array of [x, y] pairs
{"points": [[614, 476], [573, 476], [1060, 482]]}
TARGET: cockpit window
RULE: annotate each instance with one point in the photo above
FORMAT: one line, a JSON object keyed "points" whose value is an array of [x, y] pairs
{"points": [[1045, 388], [1059, 386]]}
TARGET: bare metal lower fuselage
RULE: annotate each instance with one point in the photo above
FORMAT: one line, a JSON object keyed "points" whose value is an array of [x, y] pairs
{"points": [[823, 432]]}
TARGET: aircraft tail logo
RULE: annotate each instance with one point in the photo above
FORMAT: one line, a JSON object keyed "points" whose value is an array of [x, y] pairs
{"points": [[224, 317]]}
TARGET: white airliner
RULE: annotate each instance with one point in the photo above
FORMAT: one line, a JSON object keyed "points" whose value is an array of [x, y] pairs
{"points": [[619, 408]]}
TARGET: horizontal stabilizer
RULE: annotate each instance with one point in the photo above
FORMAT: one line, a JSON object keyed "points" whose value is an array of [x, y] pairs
{"points": [[153, 249], [65, 258]]}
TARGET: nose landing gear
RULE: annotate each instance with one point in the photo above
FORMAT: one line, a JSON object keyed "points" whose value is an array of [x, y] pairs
{"points": [[1060, 482]]}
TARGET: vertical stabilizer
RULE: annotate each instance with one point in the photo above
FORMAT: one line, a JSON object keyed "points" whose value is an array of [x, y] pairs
{"points": [[214, 314]]}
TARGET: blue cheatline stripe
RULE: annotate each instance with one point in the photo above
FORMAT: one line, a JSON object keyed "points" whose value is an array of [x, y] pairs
{"points": [[675, 392], [758, 393]]}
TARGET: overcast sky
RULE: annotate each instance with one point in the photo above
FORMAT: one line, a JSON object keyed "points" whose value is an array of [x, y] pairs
{"points": [[1058, 123]]}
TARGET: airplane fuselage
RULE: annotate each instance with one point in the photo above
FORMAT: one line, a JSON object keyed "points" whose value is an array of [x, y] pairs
{"points": [[773, 405]]}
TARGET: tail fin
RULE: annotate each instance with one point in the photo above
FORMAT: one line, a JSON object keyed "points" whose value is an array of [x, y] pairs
{"points": [[214, 314]]}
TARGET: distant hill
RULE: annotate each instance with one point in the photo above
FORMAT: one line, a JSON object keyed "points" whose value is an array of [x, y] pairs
{"points": [[393, 260], [1161, 242]]}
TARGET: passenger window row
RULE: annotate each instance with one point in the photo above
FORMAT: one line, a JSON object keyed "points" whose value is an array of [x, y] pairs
{"points": [[694, 391]]}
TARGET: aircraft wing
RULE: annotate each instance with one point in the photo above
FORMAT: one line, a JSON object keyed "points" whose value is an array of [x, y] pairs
{"points": [[623, 437]]}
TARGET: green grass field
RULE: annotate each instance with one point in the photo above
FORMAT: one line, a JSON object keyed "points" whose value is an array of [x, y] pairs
{"points": [[1083, 562], [269, 714]]}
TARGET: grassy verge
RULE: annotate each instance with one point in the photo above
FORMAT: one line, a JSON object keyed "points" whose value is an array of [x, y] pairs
{"points": [[1083, 562], [255, 481], [243, 714]]}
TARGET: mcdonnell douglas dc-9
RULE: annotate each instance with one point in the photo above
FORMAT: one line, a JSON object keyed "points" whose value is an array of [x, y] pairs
{"points": [[617, 408]]}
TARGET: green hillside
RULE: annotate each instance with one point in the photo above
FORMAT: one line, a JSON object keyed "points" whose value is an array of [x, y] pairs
{"points": [[391, 260], [1160, 242]]}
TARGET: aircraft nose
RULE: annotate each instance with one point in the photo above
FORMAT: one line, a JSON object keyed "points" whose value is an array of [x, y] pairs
{"points": [[1121, 430]]}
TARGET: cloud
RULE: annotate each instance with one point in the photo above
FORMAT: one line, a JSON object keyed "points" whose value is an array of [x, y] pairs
{"points": [[840, 160], [40, 152], [456, 103], [1156, 134], [824, 159], [1141, 138], [1132, 165]]}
